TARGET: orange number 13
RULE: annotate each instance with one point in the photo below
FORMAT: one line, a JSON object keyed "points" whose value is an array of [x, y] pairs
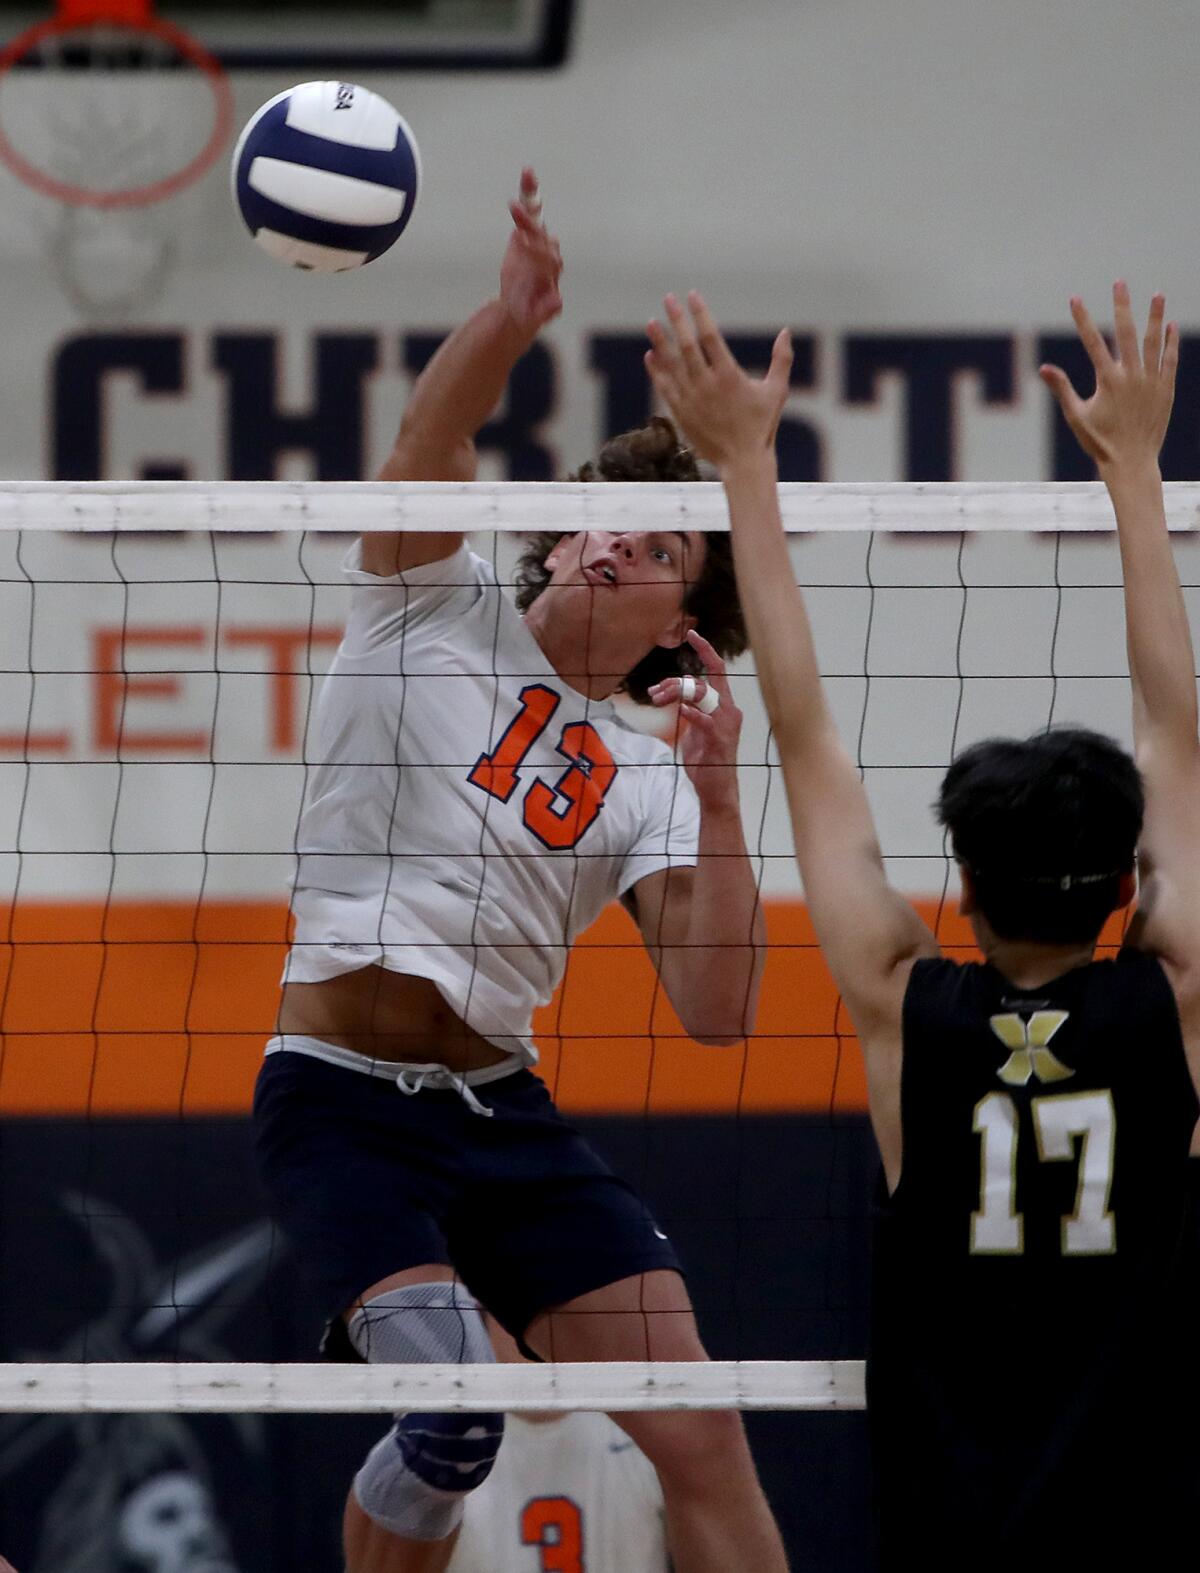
{"points": [[582, 787], [555, 1525]]}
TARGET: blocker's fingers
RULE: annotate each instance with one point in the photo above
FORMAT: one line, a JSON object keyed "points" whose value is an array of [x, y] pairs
{"points": [[685, 335], [1060, 386], [1090, 337], [1126, 333], [779, 372], [664, 382], [712, 340], [663, 357], [660, 341], [529, 226], [1153, 342], [1170, 359], [531, 196]]}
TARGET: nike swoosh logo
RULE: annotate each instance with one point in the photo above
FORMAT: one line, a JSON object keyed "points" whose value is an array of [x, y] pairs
{"points": [[619, 1447], [659, 1233]]}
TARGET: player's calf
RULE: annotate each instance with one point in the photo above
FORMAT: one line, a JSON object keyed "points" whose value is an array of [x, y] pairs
{"points": [[415, 1481]]}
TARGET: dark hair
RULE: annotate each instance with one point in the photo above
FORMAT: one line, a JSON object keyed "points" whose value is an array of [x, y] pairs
{"points": [[1047, 827], [654, 453]]}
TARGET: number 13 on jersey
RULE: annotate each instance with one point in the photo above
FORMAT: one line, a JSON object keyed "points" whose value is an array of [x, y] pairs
{"points": [[582, 787]]}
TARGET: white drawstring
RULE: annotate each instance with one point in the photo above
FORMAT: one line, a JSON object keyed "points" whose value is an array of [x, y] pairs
{"points": [[438, 1077]]}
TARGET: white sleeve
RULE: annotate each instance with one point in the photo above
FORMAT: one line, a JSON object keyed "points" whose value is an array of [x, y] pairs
{"points": [[421, 601], [669, 836]]}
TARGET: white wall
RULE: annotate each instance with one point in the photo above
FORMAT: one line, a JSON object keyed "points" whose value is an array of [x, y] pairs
{"points": [[935, 166]]}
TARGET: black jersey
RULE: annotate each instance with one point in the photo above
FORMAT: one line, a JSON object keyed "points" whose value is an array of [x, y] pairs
{"points": [[1030, 1382]]}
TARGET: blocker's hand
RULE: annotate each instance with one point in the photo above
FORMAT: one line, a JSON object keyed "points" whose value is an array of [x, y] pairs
{"points": [[532, 264], [726, 414], [1125, 420], [708, 747]]}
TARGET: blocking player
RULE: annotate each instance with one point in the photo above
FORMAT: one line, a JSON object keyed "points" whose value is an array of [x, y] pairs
{"points": [[1031, 1381], [476, 804]]}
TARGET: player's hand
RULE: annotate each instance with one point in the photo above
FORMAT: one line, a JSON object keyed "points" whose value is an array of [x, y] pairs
{"points": [[708, 744], [726, 414], [1125, 420], [532, 264]]}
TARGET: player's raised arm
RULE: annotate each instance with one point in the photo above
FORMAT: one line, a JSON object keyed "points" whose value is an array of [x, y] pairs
{"points": [[866, 930], [1122, 426], [465, 380]]}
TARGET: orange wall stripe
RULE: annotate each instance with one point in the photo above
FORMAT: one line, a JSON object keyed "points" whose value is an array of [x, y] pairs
{"points": [[160, 1008]]}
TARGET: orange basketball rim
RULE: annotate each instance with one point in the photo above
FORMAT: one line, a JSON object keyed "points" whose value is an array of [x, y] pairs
{"points": [[79, 20]]}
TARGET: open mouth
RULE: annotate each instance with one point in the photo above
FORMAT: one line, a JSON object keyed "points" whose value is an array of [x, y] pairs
{"points": [[601, 574]]}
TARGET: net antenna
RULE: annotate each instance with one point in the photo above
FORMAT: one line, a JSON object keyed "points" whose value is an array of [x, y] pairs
{"points": [[108, 111]]}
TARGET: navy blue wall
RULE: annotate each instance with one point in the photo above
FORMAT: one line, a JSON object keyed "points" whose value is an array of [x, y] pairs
{"points": [[129, 1239]]}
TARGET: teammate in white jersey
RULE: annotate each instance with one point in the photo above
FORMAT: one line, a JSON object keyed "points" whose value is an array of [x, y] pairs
{"points": [[569, 1491], [475, 804]]}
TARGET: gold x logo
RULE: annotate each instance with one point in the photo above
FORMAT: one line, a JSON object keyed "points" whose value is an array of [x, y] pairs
{"points": [[1028, 1040]]}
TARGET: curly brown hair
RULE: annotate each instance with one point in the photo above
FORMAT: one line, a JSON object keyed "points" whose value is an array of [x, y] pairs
{"points": [[654, 453]]}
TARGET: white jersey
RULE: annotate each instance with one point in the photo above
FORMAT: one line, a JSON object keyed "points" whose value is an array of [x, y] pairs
{"points": [[469, 812], [573, 1494]]}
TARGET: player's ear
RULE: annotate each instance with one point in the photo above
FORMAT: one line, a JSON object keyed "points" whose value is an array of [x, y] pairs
{"points": [[671, 638], [554, 556], [967, 903]]}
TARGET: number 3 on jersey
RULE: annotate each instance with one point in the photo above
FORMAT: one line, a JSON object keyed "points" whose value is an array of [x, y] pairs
{"points": [[582, 787], [555, 1526]]}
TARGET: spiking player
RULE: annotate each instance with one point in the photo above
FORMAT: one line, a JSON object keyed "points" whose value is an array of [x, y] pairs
{"points": [[1031, 1382], [476, 804]]}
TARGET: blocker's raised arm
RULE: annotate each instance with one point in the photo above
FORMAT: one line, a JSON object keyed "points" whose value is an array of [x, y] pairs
{"points": [[1122, 427], [868, 932]]}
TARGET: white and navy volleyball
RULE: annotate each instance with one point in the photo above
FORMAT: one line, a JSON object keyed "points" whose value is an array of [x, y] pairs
{"points": [[326, 176]]}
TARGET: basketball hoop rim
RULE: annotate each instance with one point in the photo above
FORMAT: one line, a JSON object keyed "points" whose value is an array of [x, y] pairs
{"points": [[191, 49]]}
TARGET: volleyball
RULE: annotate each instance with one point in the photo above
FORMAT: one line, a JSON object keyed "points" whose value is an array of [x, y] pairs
{"points": [[326, 176]]}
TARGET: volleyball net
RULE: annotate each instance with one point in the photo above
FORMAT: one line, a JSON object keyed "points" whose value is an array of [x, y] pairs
{"points": [[163, 645]]}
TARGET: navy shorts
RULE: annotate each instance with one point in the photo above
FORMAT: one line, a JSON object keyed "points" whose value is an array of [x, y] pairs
{"points": [[366, 1181]]}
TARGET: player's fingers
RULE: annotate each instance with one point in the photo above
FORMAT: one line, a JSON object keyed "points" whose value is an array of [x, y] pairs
{"points": [[1126, 333], [779, 373], [664, 383], [665, 350], [1059, 384], [531, 196], [667, 692], [1170, 357], [1090, 337], [711, 340], [1152, 344], [714, 666], [524, 220], [685, 335]]}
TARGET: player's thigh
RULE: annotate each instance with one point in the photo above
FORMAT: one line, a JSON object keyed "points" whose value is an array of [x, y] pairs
{"points": [[649, 1317]]}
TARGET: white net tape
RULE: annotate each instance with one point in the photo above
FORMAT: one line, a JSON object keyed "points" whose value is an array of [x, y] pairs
{"points": [[355, 507], [246, 1388]]}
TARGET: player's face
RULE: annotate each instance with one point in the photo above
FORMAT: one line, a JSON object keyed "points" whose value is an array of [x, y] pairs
{"points": [[637, 579]]}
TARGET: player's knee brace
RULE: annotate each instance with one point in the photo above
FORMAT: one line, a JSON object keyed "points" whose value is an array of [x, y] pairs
{"points": [[415, 1480]]}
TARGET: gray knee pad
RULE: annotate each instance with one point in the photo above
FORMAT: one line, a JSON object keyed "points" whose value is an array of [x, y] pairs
{"points": [[415, 1480]]}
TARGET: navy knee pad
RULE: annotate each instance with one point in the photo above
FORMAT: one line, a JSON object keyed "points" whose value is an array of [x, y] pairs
{"points": [[450, 1452], [414, 1481]]}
